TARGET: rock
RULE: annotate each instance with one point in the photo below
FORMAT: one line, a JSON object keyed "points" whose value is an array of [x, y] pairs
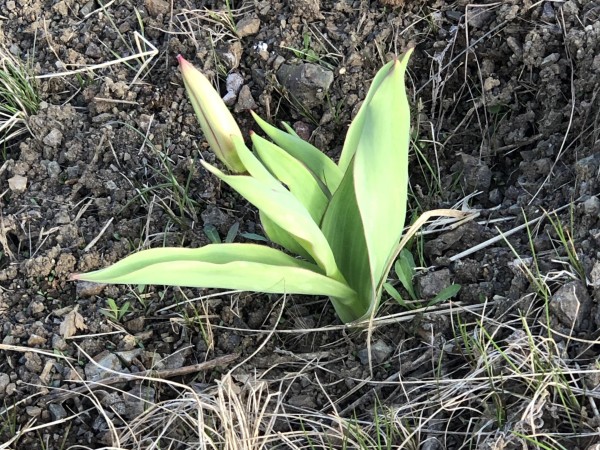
{"points": [[303, 130], [480, 17], [587, 168], [4, 382], [93, 51], [33, 411], [233, 85], [85, 289], [33, 362], [307, 83], [380, 352], [245, 100], [476, 173], [248, 26], [104, 360], [431, 284], [17, 183], [212, 215], [230, 54], [129, 355], [571, 304], [307, 9], [114, 401], [35, 339], [53, 169], [156, 7], [595, 275], [57, 412], [592, 206], [136, 400], [54, 138]]}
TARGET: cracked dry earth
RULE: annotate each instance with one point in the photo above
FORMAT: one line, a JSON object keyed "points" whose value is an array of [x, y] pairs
{"points": [[505, 99]]}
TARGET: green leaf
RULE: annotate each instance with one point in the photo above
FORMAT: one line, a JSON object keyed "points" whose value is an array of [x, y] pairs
{"points": [[343, 229], [295, 175], [405, 270], [445, 294], [248, 267], [316, 161], [232, 232], [284, 210], [281, 237], [212, 234], [380, 167], [355, 129]]}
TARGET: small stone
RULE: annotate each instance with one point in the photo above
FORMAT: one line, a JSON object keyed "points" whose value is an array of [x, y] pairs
{"points": [[278, 61], [592, 206], [11, 389], [35, 339], [104, 360], [33, 411], [17, 183], [571, 304], [245, 100], [380, 352], [111, 185], [156, 7], [93, 51], [54, 138], [307, 83], [233, 85], [128, 356], [62, 8], [476, 173], [33, 362], [248, 26], [87, 8], [85, 289], [53, 169], [4, 382], [212, 215], [433, 283], [136, 400], [303, 130], [57, 412], [11, 5], [135, 325]]}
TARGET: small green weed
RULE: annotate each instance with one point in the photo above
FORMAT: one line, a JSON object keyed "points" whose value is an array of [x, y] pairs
{"points": [[19, 98], [405, 271], [115, 312]]}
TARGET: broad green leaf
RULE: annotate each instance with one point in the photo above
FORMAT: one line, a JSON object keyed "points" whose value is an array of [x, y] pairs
{"points": [[247, 267], [355, 129], [316, 161], [294, 174], [286, 211], [380, 167], [281, 237], [343, 229]]}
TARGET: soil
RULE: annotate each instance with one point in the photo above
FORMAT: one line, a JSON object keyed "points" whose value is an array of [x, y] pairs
{"points": [[506, 108]]}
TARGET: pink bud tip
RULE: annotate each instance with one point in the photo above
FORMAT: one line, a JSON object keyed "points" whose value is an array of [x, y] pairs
{"points": [[180, 59]]}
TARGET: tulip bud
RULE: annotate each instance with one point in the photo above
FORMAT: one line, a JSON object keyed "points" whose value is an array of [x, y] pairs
{"points": [[216, 121]]}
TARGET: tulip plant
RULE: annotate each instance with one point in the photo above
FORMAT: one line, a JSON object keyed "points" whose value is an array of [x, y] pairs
{"points": [[340, 225]]}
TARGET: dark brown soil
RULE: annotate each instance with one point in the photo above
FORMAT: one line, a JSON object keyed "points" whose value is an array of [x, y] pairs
{"points": [[506, 101]]}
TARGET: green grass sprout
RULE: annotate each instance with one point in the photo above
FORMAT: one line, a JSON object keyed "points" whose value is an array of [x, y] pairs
{"points": [[19, 97]]}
